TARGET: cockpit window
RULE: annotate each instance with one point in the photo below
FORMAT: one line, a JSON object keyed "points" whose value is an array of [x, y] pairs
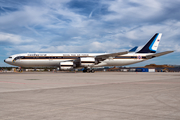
{"points": [[18, 57], [10, 57]]}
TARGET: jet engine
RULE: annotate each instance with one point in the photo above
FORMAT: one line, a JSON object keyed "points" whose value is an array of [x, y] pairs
{"points": [[87, 61], [80, 62], [67, 65]]}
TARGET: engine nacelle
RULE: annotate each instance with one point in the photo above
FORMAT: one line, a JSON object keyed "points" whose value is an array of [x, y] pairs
{"points": [[67, 65], [81, 62], [87, 61]]}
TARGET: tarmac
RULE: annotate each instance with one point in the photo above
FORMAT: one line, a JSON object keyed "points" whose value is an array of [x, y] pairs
{"points": [[89, 96]]}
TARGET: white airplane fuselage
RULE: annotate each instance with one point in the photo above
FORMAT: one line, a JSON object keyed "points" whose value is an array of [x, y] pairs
{"points": [[54, 59]]}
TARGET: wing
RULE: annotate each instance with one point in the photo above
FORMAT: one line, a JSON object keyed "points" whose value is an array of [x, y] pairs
{"points": [[158, 54], [105, 56]]}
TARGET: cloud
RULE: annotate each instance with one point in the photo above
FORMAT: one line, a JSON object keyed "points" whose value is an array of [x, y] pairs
{"points": [[139, 12], [26, 16], [12, 39]]}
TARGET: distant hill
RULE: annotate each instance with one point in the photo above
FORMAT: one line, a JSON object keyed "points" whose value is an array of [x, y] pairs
{"points": [[158, 66]]}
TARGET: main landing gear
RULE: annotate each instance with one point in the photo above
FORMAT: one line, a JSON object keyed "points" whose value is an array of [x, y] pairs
{"points": [[20, 70], [88, 70]]}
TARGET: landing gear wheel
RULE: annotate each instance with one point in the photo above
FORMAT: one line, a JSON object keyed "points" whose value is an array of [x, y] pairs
{"points": [[92, 70], [85, 70], [20, 70]]}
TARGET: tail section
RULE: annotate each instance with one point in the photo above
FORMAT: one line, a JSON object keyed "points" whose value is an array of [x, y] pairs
{"points": [[152, 45]]}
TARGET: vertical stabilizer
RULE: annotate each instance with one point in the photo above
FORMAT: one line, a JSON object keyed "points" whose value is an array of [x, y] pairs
{"points": [[152, 45]]}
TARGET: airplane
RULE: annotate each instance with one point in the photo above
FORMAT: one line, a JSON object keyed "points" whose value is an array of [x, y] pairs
{"points": [[88, 61]]}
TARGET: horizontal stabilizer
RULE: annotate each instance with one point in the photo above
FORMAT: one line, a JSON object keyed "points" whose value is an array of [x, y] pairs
{"points": [[105, 56], [158, 54]]}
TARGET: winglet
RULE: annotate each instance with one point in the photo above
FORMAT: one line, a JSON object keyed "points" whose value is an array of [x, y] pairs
{"points": [[133, 49]]}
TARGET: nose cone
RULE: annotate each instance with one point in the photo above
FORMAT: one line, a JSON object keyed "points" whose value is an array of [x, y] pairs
{"points": [[8, 61]]}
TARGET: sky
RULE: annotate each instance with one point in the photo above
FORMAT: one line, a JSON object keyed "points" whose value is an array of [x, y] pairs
{"points": [[88, 26]]}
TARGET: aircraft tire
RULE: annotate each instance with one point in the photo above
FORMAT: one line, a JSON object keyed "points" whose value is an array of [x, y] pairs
{"points": [[85, 70], [92, 70]]}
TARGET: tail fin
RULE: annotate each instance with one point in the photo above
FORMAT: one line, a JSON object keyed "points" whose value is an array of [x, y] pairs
{"points": [[152, 45]]}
